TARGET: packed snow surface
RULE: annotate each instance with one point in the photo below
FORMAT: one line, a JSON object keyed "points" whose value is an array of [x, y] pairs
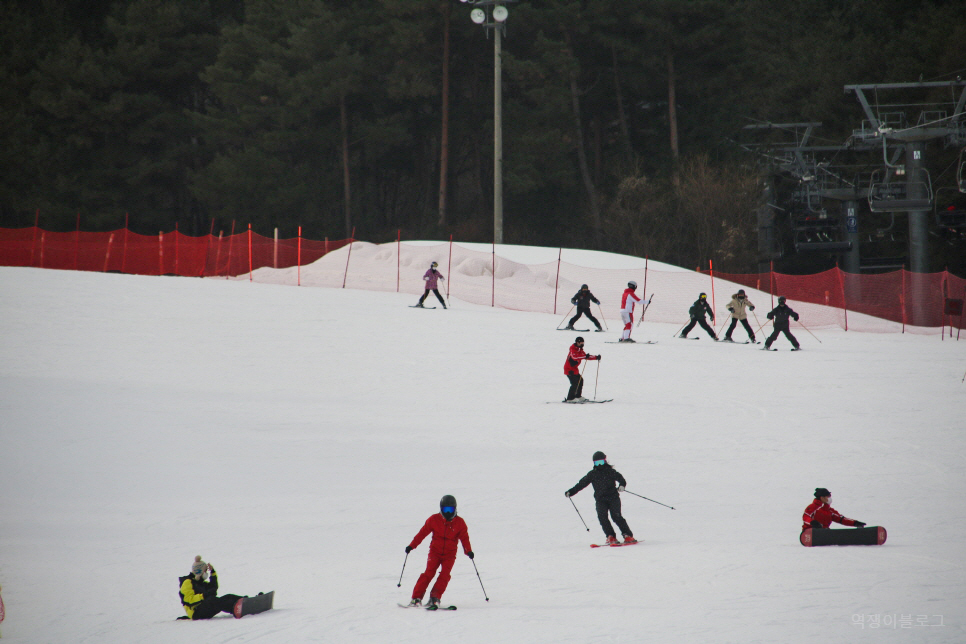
{"points": [[297, 438]]}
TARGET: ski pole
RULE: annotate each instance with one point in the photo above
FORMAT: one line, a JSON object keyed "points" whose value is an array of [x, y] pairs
{"points": [[681, 329], [478, 577], [603, 319], [578, 513], [724, 323], [647, 304], [809, 332], [403, 570], [564, 318], [647, 499], [596, 378]]}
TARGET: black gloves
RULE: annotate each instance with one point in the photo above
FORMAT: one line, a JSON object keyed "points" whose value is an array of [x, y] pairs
{"points": [[796, 317], [815, 524], [409, 549], [567, 494], [751, 308], [731, 308], [470, 554], [858, 524], [598, 356]]}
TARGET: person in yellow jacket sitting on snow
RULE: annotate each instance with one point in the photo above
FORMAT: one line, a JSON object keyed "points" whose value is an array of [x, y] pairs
{"points": [[199, 596]]}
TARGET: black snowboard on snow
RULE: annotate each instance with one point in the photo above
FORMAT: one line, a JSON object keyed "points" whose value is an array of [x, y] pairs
{"points": [[868, 536], [252, 605]]}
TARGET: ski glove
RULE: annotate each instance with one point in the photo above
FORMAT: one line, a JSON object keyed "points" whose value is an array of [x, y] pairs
{"points": [[730, 308], [567, 494], [620, 488], [751, 308], [858, 524], [470, 554], [815, 524], [409, 549], [598, 356], [796, 318]]}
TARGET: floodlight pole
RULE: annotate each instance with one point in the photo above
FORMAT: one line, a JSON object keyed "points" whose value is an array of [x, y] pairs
{"points": [[492, 16], [497, 136]]}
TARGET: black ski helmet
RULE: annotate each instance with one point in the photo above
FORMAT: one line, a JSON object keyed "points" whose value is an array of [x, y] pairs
{"points": [[781, 299], [599, 456], [579, 339], [433, 265], [741, 291], [448, 501], [821, 491], [584, 287], [703, 296], [632, 284]]}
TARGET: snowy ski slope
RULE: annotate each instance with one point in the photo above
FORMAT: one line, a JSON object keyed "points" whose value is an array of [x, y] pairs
{"points": [[297, 438]]}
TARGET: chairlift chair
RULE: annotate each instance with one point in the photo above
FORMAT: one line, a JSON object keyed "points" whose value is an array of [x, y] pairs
{"points": [[890, 195]]}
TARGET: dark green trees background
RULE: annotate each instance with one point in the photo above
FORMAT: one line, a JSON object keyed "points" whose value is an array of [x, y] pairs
{"points": [[620, 116]]}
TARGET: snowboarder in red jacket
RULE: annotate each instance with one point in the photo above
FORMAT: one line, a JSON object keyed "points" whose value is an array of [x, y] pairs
{"points": [[819, 514], [572, 371], [447, 529]]}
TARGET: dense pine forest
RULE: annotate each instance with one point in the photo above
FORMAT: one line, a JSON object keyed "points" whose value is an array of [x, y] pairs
{"points": [[623, 120]]}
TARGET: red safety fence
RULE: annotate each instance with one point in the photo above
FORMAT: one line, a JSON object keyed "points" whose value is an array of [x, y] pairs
{"points": [[891, 302], [908, 299], [122, 251]]}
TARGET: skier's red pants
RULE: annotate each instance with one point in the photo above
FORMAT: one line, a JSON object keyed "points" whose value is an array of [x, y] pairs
{"points": [[434, 562]]}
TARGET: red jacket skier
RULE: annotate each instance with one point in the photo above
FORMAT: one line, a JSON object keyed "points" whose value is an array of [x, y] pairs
{"points": [[447, 529], [572, 370], [819, 514]]}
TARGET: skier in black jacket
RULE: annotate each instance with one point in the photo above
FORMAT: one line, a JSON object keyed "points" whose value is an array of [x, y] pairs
{"points": [[582, 299], [604, 478], [779, 315], [697, 312]]}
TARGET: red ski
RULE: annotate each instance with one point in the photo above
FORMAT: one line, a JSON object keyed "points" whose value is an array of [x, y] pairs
{"points": [[614, 545]]}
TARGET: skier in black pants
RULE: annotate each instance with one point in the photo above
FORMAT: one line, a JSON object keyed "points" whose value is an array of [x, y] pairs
{"points": [[604, 478], [582, 299], [200, 596], [697, 311], [779, 315]]}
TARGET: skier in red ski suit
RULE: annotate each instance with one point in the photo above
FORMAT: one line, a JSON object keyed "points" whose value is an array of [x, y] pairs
{"points": [[819, 514], [572, 370], [447, 529]]}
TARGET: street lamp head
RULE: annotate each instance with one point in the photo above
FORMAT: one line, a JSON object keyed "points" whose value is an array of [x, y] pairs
{"points": [[500, 13], [478, 16]]}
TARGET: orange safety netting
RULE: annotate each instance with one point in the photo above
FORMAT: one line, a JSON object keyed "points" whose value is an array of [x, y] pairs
{"points": [[889, 302]]}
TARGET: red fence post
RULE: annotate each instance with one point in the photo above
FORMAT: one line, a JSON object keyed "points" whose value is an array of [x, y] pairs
{"points": [[348, 256], [493, 270], [177, 268], [43, 236], [845, 304], [902, 299], [398, 258], [33, 243], [160, 252], [645, 283], [556, 285], [107, 255], [299, 259], [249, 252], [124, 250], [77, 243], [714, 307], [449, 266]]}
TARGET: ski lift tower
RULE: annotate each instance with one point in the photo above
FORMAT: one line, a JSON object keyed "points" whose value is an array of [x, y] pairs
{"points": [[908, 187]]}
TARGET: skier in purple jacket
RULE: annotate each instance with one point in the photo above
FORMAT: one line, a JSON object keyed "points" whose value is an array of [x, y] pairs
{"points": [[431, 278]]}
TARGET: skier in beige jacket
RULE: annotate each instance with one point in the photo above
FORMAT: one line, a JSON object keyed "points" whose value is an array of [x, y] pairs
{"points": [[738, 305]]}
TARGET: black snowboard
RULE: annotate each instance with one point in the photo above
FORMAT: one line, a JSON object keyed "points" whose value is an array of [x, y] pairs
{"points": [[868, 536], [251, 605]]}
